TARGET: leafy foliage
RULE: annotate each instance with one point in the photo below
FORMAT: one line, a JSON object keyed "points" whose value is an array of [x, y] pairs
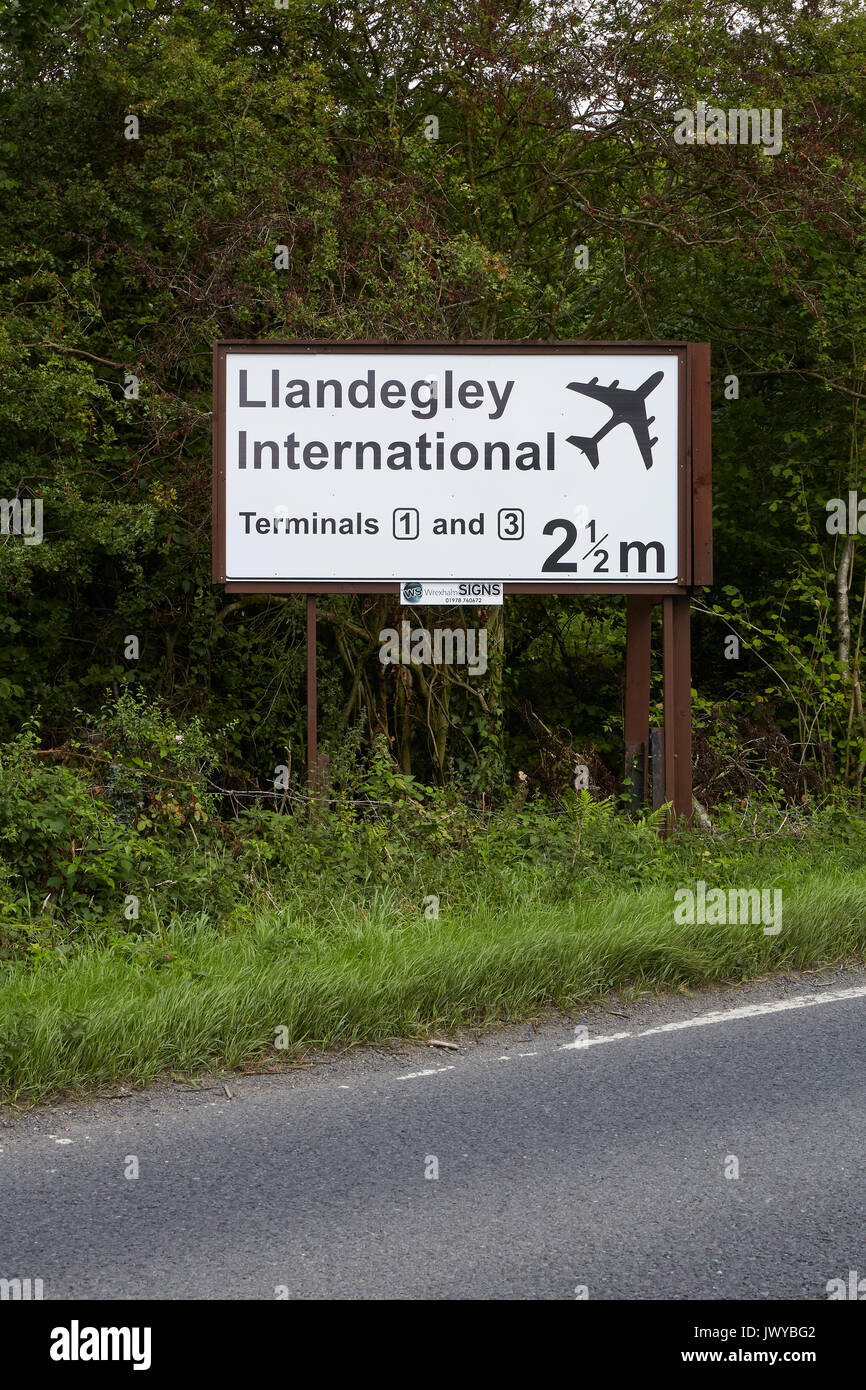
{"points": [[304, 125]]}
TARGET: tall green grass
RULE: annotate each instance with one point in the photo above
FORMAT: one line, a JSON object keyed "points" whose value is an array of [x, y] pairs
{"points": [[346, 973]]}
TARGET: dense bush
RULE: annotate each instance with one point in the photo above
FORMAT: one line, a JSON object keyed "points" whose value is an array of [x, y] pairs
{"points": [[116, 834], [304, 125], [118, 814]]}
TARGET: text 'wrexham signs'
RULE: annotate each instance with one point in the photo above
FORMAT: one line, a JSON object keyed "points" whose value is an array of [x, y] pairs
{"points": [[556, 465]]}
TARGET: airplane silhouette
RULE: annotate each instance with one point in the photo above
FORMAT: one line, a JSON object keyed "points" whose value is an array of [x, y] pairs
{"points": [[628, 408]]}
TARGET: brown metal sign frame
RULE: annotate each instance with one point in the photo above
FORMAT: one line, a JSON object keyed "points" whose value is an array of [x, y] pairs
{"points": [[694, 562]]}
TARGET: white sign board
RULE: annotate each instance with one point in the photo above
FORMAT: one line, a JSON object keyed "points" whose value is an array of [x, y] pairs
{"points": [[367, 464]]}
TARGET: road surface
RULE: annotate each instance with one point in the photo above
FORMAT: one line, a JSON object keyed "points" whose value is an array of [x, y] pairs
{"points": [[700, 1147]]}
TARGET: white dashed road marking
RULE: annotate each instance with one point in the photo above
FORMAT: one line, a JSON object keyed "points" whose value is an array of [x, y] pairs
{"points": [[431, 1071], [777, 1006]]}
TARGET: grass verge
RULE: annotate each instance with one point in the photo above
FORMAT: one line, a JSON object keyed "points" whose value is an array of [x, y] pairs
{"points": [[351, 974]]}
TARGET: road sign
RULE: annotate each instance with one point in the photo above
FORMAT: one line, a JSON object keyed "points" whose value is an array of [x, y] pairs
{"points": [[554, 467], [519, 467]]}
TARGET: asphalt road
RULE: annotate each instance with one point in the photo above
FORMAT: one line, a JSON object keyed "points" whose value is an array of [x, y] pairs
{"points": [[599, 1167]]}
